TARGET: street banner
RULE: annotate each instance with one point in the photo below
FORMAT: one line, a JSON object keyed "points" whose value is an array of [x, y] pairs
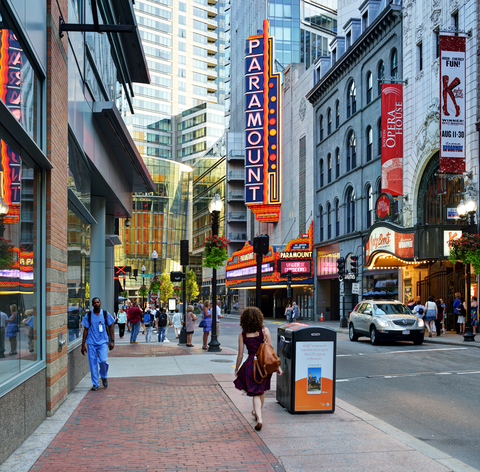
{"points": [[452, 104], [392, 139]]}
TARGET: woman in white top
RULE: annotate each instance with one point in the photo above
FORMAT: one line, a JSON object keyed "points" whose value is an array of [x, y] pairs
{"points": [[430, 315], [177, 323]]}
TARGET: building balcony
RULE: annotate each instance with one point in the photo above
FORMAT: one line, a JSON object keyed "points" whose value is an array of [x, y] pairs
{"points": [[236, 155], [212, 47], [212, 73], [212, 23], [236, 175], [237, 237], [212, 2], [212, 60], [237, 216], [237, 195], [212, 34], [212, 85]]}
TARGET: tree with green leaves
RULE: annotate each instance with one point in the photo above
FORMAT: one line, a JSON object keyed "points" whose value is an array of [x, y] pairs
{"points": [[166, 288], [192, 286]]}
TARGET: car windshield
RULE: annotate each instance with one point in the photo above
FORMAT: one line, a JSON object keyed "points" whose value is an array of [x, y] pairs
{"points": [[391, 309]]}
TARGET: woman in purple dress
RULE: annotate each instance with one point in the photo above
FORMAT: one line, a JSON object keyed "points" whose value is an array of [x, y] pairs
{"points": [[253, 334]]}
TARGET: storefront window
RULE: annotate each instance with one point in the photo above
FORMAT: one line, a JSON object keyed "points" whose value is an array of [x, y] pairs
{"points": [[20, 323], [381, 286], [78, 275]]}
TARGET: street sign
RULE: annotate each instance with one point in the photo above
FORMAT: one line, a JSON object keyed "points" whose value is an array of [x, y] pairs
{"points": [[349, 276], [146, 275], [154, 297], [356, 288]]}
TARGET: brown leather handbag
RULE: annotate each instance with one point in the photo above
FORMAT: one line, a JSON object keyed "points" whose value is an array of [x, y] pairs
{"points": [[266, 363]]}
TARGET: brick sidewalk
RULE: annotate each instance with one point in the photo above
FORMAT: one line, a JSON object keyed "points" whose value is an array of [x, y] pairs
{"points": [[158, 424]]}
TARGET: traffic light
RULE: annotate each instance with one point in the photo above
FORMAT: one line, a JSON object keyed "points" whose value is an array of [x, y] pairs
{"points": [[289, 277], [341, 267], [261, 244], [354, 265], [176, 276], [184, 260]]}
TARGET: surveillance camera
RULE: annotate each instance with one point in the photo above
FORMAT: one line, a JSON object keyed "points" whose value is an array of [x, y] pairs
{"points": [[127, 223]]}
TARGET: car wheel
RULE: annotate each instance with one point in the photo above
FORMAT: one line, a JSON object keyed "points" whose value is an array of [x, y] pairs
{"points": [[373, 336], [352, 334]]}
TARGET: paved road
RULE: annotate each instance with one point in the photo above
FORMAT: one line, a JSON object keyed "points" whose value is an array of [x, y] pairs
{"points": [[428, 391]]}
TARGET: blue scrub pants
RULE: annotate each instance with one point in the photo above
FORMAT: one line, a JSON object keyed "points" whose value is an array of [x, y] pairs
{"points": [[98, 354]]}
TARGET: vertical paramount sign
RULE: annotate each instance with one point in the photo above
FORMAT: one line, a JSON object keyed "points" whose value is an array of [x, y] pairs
{"points": [[392, 139], [262, 129], [452, 104]]}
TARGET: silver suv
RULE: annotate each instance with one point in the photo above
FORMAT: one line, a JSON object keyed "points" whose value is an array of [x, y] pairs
{"points": [[385, 320]]}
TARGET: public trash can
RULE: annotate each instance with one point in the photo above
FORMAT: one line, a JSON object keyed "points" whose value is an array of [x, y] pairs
{"points": [[308, 355]]}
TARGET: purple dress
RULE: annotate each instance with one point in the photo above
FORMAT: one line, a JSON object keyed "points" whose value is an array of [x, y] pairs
{"points": [[245, 380]]}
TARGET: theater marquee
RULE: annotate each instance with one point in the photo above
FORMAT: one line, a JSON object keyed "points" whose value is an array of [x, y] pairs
{"points": [[262, 128]]}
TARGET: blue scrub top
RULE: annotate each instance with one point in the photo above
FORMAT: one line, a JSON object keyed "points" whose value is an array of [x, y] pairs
{"points": [[95, 336]]}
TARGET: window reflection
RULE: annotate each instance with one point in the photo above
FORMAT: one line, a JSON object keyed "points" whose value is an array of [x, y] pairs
{"points": [[19, 323]]}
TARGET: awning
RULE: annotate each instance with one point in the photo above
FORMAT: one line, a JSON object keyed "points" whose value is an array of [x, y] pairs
{"points": [[123, 147]]}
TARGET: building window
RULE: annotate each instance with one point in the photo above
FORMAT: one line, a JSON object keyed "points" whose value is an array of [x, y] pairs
{"points": [[456, 22], [379, 133], [321, 172], [369, 87], [337, 163], [182, 6], [436, 34], [329, 121], [369, 206], [369, 143], [394, 65], [330, 165], [337, 218], [329, 221], [350, 210], [420, 57], [321, 127], [337, 114], [351, 99], [381, 76], [351, 151], [182, 33], [320, 208]]}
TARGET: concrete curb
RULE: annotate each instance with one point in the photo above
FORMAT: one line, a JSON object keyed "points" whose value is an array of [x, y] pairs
{"points": [[433, 453]]}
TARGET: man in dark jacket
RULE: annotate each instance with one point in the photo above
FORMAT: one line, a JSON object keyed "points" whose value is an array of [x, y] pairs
{"points": [[135, 317]]}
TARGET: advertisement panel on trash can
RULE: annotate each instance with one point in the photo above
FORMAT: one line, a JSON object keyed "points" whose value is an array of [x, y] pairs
{"points": [[314, 381]]}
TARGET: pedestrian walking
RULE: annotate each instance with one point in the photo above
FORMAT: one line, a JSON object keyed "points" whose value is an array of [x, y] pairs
{"points": [[121, 321], [207, 328], [142, 324], [3, 327], [177, 323], [430, 315], [456, 310], [474, 314], [253, 334], [148, 321], [12, 329], [162, 320], [135, 316], [419, 310], [296, 312], [99, 335], [190, 319], [289, 313], [462, 314], [219, 316], [444, 319], [29, 331], [439, 319]]}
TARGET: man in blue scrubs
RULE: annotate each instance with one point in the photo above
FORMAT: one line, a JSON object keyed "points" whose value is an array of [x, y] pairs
{"points": [[97, 338]]}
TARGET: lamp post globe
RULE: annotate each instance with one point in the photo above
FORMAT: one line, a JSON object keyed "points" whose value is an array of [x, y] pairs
{"points": [[214, 207], [154, 257]]}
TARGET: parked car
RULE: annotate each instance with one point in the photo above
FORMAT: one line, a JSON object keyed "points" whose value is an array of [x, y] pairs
{"points": [[385, 320]]}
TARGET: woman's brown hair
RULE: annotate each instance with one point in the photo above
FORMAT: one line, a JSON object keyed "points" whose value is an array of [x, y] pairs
{"points": [[251, 319]]}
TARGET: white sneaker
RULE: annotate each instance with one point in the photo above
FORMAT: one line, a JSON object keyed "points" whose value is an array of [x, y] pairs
{"points": [[166, 340]]}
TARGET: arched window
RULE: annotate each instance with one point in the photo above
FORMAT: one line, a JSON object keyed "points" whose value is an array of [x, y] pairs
{"points": [[337, 114], [351, 99], [350, 210], [369, 143], [329, 221], [337, 218], [394, 65], [320, 209], [379, 187], [329, 121], [379, 132], [369, 86], [330, 165], [369, 206], [337, 163], [321, 127], [381, 76], [351, 151], [321, 172]]}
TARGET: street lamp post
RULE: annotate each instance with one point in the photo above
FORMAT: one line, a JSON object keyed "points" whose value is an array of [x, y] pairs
{"points": [[143, 285], [468, 210], [214, 207]]}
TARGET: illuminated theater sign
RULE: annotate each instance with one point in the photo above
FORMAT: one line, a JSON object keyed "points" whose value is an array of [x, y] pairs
{"points": [[262, 126]]}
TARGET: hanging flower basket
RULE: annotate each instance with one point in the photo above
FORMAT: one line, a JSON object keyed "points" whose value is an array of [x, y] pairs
{"points": [[154, 286], [143, 291], [215, 254], [467, 250], [6, 254]]}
